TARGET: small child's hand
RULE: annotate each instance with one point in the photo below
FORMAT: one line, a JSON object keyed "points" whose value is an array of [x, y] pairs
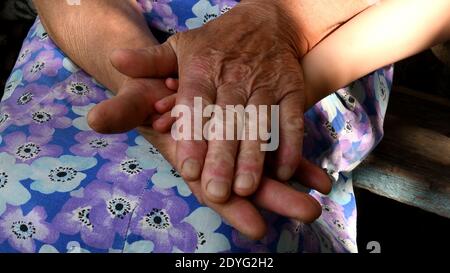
{"points": [[163, 122], [132, 107]]}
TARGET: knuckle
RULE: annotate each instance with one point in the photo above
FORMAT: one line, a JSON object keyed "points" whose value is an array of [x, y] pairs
{"points": [[250, 160], [222, 158], [293, 123]]}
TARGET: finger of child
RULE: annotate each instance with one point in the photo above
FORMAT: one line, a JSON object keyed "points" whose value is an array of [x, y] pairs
{"points": [[166, 104], [163, 123]]}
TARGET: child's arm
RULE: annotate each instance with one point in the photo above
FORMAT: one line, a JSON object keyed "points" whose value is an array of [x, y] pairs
{"points": [[381, 35]]}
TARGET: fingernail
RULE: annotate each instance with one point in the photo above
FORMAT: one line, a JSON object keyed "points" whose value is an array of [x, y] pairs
{"points": [[218, 189], [244, 182], [285, 173], [190, 170]]}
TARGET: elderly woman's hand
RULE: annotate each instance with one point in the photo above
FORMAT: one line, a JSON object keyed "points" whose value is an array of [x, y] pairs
{"points": [[241, 213], [248, 56]]}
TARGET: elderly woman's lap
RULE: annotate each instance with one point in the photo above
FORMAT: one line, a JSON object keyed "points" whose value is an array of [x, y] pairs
{"points": [[64, 187]]}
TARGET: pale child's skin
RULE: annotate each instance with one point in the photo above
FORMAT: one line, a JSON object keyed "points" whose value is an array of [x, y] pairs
{"points": [[384, 34]]}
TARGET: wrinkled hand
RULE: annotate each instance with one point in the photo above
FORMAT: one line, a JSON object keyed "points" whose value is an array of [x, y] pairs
{"points": [[248, 56], [136, 98]]}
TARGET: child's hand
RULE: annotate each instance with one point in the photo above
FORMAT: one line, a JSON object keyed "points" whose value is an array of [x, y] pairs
{"points": [[133, 106], [163, 121]]}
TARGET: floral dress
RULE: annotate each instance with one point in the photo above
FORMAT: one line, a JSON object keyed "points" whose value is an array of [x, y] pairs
{"points": [[66, 188]]}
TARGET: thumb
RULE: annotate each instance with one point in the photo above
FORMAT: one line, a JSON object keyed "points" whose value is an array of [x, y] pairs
{"points": [[153, 62]]}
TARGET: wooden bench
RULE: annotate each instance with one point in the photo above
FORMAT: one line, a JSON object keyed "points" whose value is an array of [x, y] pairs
{"points": [[412, 163]]}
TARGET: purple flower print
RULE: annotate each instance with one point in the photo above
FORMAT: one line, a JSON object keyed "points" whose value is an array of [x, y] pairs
{"points": [[107, 146], [40, 36], [161, 7], [330, 242], [333, 219], [50, 115], [111, 206], [26, 149], [289, 239], [225, 5], [75, 217], [80, 90], [24, 97], [329, 207], [126, 172], [28, 48], [6, 117], [311, 242], [22, 231], [204, 12], [159, 218], [45, 63], [168, 24]]}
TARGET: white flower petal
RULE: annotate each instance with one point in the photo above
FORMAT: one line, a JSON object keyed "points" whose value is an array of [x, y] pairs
{"points": [[70, 66]]}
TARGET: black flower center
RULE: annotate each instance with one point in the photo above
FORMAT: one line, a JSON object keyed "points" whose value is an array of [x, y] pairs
{"points": [[339, 224], [24, 54], [83, 217], [98, 143], [62, 174], [157, 219], [23, 230], [3, 179], [153, 150], [175, 173], [348, 126], [201, 239], [208, 17], [28, 151], [331, 129], [43, 36], [25, 98], [119, 207], [225, 9], [327, 208], [41, 117], [3, 118], [79, 88], [37, 66], [131, 167]]}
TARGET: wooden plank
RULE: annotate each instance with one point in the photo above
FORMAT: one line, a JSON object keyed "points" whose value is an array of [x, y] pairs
{"points": [[412, 163]]}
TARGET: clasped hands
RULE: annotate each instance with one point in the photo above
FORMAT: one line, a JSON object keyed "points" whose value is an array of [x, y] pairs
{"points": [[248, 56]]}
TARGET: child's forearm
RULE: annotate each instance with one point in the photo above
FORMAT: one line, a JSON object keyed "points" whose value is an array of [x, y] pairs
{"points": [[381, 35], [89, 32]]}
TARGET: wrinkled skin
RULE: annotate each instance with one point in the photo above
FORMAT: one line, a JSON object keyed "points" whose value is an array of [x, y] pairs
{"points": [[242, 213], [254, 64]]}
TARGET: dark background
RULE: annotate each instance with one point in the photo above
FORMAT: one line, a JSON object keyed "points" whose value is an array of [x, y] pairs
{"points": [[398, 227]]}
